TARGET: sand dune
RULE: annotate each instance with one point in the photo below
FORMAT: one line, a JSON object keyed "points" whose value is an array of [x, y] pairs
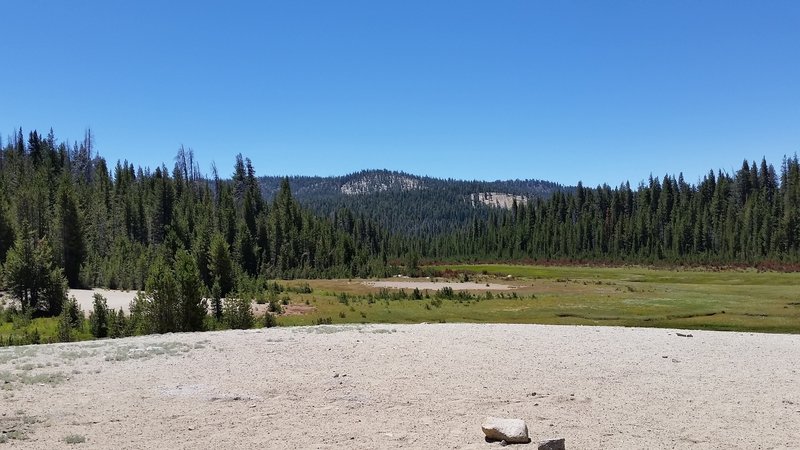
{"points": [[409, 386]]}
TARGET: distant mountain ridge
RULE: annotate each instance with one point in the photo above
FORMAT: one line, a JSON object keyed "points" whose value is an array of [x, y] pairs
{"points": [[408, 203]]}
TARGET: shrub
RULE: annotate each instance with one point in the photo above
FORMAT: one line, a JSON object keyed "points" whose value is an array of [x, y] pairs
{"points": [[445, 292], [238, 313], [21, 320], [32, 337], [74, 439], [9, 313], [302, 289], [275, 288], [269, 321], [275, 307], [323, 321]]}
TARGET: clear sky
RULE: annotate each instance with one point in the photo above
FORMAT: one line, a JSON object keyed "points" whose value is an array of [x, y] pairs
{"points": [[598, 91]]}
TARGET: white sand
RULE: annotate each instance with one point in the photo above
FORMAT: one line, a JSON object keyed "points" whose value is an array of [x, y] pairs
{"points": [[114, 299], [410, 386], [436, 285]]}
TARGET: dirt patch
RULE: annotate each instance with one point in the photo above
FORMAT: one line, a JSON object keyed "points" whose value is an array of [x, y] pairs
{"points": [[114, 299], [434, 286], [288, 310], [298, 310]]}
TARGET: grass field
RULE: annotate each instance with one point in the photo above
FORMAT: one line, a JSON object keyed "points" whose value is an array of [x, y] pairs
{"points": [[740, 300], [631, 296], [46, 329]]}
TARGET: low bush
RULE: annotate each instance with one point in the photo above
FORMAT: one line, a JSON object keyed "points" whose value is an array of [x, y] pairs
{"points": [[323, 321]]}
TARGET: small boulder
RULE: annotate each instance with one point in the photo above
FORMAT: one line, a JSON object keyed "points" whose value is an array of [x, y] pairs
{"points": [[513, 431], [552, 444]]}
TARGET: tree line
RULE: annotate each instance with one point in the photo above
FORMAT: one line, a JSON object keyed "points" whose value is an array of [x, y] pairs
{"points": [[746, 218], [68, 220]]}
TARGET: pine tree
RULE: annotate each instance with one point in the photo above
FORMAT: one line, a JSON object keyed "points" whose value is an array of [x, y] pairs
{"points": [[6, 233], [32, 278], [69, 234], [64, 328], [99, 318], [119, 328], [191, 305], [158, 305], [216, 300], [220, 264]]}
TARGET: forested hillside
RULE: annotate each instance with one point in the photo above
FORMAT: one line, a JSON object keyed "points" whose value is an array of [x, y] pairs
{"points": [[107, 226], [747, 217], [406, 204]]}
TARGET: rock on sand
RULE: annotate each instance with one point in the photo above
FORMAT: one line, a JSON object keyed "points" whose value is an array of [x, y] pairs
{"points": [[513, 431]]}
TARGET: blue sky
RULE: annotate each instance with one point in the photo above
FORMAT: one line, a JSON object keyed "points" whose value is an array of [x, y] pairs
{"points": [[561, 90]]}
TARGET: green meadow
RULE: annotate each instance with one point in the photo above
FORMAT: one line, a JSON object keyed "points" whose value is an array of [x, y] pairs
{"points": [[40, 330], [737, 300], [734, 300]]}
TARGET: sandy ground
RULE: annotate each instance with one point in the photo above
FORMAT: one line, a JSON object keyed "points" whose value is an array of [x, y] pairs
{"points": [[114, 299], [407, 386], [431, 285]]}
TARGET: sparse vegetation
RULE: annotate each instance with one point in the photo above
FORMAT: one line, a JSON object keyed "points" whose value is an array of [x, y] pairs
{"points": [[74, 439]]}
